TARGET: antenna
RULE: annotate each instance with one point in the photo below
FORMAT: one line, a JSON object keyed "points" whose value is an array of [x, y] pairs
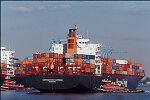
{"points": [[9, 48], [75, 26], [87, 35]]}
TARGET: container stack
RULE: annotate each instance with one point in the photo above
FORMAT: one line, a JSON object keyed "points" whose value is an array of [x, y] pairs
{"points": [[17, 68], [80, 63], [137, 67], [122, 67], [76, 64], [107, 65], [27, 67], [43, 62], [68, 63], [3, 69]]}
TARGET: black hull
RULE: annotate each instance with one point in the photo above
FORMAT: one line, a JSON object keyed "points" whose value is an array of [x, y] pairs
{"points": [[78, 89], [2, 80], [61, 83]]}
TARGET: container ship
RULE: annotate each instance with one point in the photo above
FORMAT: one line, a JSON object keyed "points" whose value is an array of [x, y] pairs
{"points": [[76, 65]]}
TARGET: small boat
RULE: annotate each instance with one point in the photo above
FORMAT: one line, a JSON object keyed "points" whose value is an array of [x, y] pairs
{"points": [[9, 84], [108, 86]]}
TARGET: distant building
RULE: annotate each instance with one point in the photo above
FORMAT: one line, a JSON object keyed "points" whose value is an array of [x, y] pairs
{"points": [[7, 57]]}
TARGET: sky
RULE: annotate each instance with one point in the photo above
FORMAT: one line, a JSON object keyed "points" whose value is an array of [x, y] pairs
{"points": [[28, 27]]}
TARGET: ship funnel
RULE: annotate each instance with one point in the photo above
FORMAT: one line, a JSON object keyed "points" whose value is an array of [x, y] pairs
{"points": [[72, 40]]}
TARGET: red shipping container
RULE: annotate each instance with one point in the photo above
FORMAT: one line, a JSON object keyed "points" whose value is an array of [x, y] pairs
{"points": [[129, 62], [35, 56], [124, 68], [128, 69], [107, 67], [61, 56], [120, 68], [51, 55], [76, 61], [43, 54], [86, 65], [79, 56], [38, 55], [87, 70], [107, 60], [92, 65], [141, 71], [56, 55], [79, 61]]}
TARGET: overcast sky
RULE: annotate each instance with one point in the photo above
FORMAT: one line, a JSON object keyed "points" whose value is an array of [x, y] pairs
{"points": [[28, 27]]}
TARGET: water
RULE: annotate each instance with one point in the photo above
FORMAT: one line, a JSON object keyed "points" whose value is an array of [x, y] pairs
{"points": [[35, 95]]}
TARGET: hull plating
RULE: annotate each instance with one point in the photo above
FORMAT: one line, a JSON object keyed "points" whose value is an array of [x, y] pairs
{"points": [[60, 83]]}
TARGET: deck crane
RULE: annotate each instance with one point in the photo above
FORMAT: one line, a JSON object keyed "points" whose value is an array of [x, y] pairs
{"points": [[108, 51]]}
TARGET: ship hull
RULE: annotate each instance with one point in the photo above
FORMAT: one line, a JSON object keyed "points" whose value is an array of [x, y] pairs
{"points": [[2, 80], [60, 83]]}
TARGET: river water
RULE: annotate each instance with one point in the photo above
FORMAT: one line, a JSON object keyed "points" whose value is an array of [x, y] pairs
{"points": [[35, 95]]}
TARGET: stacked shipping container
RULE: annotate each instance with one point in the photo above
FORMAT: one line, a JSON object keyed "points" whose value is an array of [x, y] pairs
{"points": [[47, 63], [75, 64], [26, 67], [123, 67], [83, 63], [3, 69]]}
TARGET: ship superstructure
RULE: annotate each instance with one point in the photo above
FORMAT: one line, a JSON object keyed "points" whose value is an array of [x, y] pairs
{"points": [[76, 44]]}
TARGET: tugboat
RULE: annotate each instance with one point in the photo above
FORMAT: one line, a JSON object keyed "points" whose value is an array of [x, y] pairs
{"points": [[109, 86], [9, 84]]}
